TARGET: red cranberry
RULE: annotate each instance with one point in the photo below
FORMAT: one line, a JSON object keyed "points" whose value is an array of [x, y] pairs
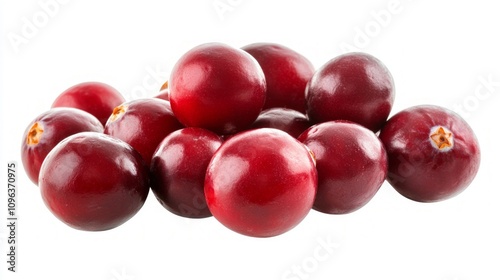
{"points": [[287, 73], [351, 163], [142, 123], [355, 87], [217, 87], [164, 94], [178, 171], [93, 182], [47, 130], [288, 120], [261, 182], [433, 153], [98, 99]]}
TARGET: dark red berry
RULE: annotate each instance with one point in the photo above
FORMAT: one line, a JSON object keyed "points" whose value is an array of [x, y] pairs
{"points": [[287, 73], [351, 163], [217, 87], [178, 171], [355, 87], [287, 120], [93, 182], [96, 98], [261, 182], [142, 123], [433, 153], [47, 130]]}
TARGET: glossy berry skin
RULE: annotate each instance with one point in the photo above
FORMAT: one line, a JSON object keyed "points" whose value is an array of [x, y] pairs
{"points": [[98, 99], [351, 163], [93, 182], [164, 94], [287, 73], [178, 171], [287, 120], [47, 130], [217, 87], [433, 153], [356, 87], [143, 124], [261, 182]]}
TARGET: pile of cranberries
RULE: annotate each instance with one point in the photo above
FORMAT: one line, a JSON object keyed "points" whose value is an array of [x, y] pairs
{"points": [[255, 137]]}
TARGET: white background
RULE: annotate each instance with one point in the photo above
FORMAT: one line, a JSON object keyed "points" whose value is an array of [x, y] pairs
{"points": [[444, 53]]}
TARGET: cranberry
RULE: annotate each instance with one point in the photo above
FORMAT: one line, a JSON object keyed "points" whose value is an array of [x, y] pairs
{"points": [[217, 87], [98, 99], [433, 153], [355, 87], [178, 171], [47, 130], [261, 182], [351, 163], [287, 73], [142, 123], [288, 120], [93, 182], [164, 94]]}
